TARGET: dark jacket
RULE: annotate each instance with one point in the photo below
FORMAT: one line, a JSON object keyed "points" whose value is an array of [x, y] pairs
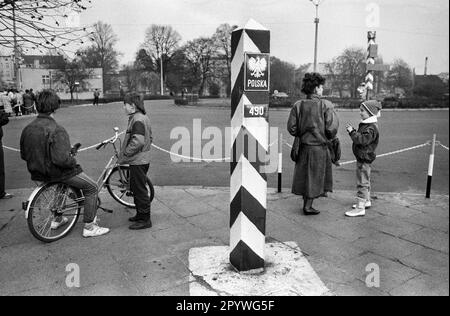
{"points": [[28, 100], [365, 142], [315, 121], [45, 146], [3, 121]]}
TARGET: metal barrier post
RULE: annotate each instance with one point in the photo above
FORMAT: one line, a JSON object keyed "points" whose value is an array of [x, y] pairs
{"points": [[430, 167], [280, 162]]}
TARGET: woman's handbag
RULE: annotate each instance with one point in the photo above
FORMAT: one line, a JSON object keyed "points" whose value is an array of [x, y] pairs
{"points": [[295, 152], [334, 146]]}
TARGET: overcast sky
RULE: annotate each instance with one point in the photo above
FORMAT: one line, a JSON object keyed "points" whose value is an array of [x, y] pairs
{"points": [[410, 29]]}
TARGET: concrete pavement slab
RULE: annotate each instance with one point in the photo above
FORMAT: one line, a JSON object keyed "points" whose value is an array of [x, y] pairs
{"points": [[433, 222], [403, 233], [429, 238], [355, 288], [429, 261], [387, 246], [422, 285], [392, 274], [392, 226]]}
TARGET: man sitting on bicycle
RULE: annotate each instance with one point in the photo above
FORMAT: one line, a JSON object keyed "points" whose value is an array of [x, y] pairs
{"points": [[136, 153], [45, 146]]}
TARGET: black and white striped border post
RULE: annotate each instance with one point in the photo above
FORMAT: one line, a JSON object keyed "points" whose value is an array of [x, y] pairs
{"points": [[250, 126], [431, 167], [280, 162], [369, 80]]}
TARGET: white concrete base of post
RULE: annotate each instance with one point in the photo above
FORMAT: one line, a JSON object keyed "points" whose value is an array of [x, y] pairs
{"points": [[287, 273]]}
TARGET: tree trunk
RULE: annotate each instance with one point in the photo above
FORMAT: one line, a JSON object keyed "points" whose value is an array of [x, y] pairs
{"points": [[202, 86]]}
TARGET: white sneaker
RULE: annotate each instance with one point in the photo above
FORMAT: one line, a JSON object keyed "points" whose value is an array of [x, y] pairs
{"points": [[356, 213], [367, 205], [95, 231], [55, 224]]}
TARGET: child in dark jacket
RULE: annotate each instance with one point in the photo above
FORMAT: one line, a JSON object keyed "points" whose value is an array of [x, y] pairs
{"points": [[365, 142]]}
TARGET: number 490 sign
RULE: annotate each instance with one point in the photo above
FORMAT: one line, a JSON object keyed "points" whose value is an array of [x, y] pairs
{"points": [[256, 110]]}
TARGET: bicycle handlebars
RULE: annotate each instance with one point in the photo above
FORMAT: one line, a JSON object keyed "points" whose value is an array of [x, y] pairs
{"points": [[111, 140]]}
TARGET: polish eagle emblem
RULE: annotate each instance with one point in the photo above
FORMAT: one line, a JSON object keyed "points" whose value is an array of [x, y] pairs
{"points": [[257, 66]]}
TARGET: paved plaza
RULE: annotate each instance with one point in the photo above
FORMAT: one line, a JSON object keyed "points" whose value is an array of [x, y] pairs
{"points": [[405, 235]]}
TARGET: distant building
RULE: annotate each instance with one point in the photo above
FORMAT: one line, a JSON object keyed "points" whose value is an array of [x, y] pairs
{"points": [[40, 72], [42, 61], [7, 71]]}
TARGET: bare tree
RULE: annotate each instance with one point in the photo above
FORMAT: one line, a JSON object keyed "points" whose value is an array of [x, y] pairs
{"points": [[74, 75], [199, 54], [351, 67], [222, 41], [40, 24], [102, 54], [282, 75], [336, 75], [161, 41], [400, 75]]}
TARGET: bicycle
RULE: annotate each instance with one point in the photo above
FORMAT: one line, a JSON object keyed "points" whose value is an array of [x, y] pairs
{"points": [[53, 200]]}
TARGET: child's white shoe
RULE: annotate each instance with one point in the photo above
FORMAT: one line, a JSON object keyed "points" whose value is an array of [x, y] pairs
{"points": [[359, 209], [367, 205], [356, 213]]}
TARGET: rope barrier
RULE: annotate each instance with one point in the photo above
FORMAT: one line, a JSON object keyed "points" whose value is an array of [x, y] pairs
{"points": [[26, 107], [383, 155], [225, 159], [12, 149], [191, 158]]}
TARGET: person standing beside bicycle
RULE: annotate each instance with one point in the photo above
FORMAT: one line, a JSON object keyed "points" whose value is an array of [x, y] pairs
{"points": [[45, 146], [136, 153]]}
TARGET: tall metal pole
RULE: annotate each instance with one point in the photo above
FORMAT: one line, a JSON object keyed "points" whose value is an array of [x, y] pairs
{"points": [[316, 21], [16, 57], [162, 78]]}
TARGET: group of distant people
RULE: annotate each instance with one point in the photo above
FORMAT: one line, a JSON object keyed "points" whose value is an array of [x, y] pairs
{"points": [[18, 103]]}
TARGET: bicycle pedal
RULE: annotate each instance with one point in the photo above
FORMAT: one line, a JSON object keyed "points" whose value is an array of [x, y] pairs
{"points": [[106, 210]]}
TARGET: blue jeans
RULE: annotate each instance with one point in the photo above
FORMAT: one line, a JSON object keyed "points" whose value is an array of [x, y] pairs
{"points": [[363, 180], [89, 188]]}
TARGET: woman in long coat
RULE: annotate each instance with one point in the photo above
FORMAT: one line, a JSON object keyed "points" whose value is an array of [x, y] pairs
{"points": [[315, 122]]}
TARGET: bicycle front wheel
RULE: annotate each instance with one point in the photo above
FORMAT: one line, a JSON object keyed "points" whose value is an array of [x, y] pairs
{"points": [[54, 211], [118, 185]]}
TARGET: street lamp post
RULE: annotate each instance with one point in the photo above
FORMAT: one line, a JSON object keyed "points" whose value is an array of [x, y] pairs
{"points": [[162, 74], [16, 55], [316, 21]]}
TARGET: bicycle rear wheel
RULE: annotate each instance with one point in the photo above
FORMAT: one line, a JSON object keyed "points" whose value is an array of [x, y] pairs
{"points": [[50, 205], [118, 185]]}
